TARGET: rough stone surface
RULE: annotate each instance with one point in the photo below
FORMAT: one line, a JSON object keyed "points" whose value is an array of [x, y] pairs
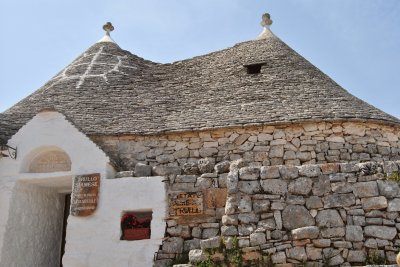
{"points": [[197, 255], [305, 232], [257, 239], [394, 205], [310, 170], [374, 203], [173, 245], [354, 233], [382, 232], [206, 165], [295, 216], [301, 186], [339, 200], [213, 242], [274, 186], [269, 172], [366, 189], [389, 189], [297, 253], [329, 218]]}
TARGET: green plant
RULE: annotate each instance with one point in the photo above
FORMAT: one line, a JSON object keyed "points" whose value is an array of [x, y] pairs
{"points": [[376, 258], [394, 176], [206, 263]]}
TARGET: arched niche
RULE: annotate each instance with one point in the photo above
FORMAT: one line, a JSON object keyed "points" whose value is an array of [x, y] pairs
{"points": [[47, 160]]}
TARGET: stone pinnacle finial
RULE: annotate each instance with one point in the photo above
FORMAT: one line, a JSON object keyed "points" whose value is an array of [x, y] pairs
{"points": [[266, 20], [108, 27]]}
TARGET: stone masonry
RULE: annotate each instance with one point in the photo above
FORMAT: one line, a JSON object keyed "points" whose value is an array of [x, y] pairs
{"points": [[333, 212], [296, 144], [302, 193]]}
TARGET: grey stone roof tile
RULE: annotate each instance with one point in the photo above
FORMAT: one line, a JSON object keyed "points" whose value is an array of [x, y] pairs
{"points": [[109, 91]]}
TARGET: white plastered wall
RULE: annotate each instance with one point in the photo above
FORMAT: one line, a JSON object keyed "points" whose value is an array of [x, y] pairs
{"points": [[93, 240]]}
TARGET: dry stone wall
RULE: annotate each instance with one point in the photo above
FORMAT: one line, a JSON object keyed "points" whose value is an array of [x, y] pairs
{"points": [[311, 143], [301, 193], [333, 213]]}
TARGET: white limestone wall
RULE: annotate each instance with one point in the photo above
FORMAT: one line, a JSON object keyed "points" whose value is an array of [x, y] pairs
{"points": [[34, 230], [46, 131], [95, 241]]}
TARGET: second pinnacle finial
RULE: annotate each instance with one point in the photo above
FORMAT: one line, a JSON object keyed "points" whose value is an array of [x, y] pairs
{"points": [[108, 27], [266, 20]]}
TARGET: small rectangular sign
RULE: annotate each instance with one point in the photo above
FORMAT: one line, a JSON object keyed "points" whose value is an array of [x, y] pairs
{"points": [[85, 194], [186, 204]]}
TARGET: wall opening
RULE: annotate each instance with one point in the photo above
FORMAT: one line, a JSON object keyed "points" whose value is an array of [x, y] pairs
{"points": [[254, 68], [135, 225], [34, 228]]}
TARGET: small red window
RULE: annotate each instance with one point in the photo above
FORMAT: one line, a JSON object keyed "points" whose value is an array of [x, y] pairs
{"points": [[136, 225]]}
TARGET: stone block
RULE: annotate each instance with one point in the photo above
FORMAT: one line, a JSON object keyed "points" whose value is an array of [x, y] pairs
{"points": [[339, 200], [389, 189], [297, 253], [354, 233], [288, 172], [196, 232], [191, 244], [322, 186], [394, 205], [309, 170], [249, 187], [322, 243], [179, 230], [203, 183], [213, 242], [314, 202], [222, 167], [257, 239], [261, 206], [248, 218], [374, 203], [349, 167], [279, 257], [197, 255], [249, 173], [209, 232], [300, 186], [329, 168], [314, 254], [185, 179], [230, 219], [229, 231], [382, 232], [329, 218], [206, 165], [306, 232], [245, 204], [269, 172], [366, 189], [333, 232], [267, 224], [173, 245], [232, 181], [161, 170], [274, 186], [296, 216]]}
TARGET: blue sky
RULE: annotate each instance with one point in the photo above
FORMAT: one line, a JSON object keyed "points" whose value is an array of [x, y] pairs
{"points": [[357, 43]]}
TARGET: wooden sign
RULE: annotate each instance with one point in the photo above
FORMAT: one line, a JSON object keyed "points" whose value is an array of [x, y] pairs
{"points": [[85, 194], [216, 197], [186, 204]]}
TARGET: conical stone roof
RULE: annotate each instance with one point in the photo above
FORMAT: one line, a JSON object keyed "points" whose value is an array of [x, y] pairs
{"points": [[109, 91]]}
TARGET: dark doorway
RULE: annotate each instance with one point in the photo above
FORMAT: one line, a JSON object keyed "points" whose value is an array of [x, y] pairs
{"points": [[65, 219]]}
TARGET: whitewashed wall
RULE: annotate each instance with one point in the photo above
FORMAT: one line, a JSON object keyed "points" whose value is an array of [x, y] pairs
{"points": [[93, 240]]}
